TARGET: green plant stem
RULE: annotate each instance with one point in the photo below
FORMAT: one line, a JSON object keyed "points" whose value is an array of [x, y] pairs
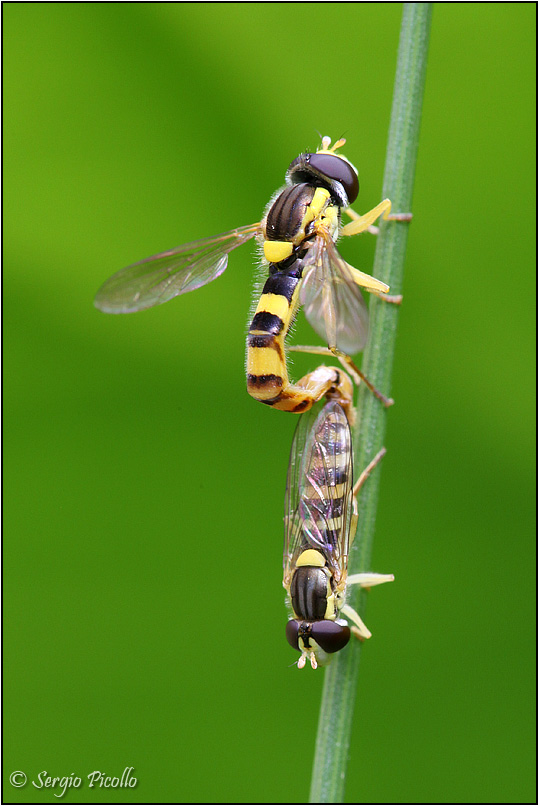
{"points": [[340, 682]]}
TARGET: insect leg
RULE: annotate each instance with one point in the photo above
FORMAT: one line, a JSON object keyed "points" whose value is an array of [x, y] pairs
{"points": [[355, 216], [399, 217], [365, 581], [366, 473], [369, 580], [356, 488], [395, 299], [349, 366], [357, 633], [360, 629], [360, 223], [347, 362], [367, 282]]}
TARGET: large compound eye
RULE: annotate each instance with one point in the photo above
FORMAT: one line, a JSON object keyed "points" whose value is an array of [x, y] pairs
{"points": [[330, 636], [339, 170], [292, 631]]}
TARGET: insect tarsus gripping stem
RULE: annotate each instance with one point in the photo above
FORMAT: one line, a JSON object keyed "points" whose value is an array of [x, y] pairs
{"points": [[350, 367]]}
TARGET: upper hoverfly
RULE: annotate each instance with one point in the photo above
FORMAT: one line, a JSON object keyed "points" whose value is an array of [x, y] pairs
{"points": [[320, 525], [298, 232]]}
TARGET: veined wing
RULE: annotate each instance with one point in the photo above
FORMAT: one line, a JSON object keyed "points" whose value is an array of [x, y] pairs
{"points": [[293, 531], [159, 278], [332, 301], [325, 490]]}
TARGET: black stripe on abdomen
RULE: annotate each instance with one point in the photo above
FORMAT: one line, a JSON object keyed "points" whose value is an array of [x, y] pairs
{"points": [[282, 284], [266, 340], [267, 322], [257, 381]]}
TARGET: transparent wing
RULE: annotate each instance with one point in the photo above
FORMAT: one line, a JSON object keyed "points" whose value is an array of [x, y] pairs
{"points": [[325, 504], [332, 301], [292, 520], [320, 505], [159, 278]]}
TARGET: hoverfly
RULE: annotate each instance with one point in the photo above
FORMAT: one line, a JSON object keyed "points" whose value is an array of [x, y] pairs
{"points": [[320, 525], [298, 232]]}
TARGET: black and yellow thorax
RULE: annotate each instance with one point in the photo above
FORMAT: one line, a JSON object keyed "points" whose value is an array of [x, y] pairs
{"points": [[291, 220]]}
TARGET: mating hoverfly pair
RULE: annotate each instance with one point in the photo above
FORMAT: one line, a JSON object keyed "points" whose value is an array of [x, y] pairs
{"points": [[297, 234]]}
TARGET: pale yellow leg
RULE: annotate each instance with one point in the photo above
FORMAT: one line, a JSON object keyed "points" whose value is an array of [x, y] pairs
{"points": [[367, 282], [399, 217], [369, 580], [373, 286], [355, 217], [349, 366], [357, 633], [395, 299], [361, 630], [360, 223]]}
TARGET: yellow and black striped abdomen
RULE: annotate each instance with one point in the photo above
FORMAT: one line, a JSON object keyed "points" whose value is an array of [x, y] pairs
{"points": [[267, 375]]}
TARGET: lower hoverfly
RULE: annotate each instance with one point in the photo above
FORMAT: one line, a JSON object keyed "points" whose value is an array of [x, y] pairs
{"points": [[297, 233], [320, 525]]}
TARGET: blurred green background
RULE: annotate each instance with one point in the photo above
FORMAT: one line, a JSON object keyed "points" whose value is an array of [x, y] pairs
{"points": [[144, 615]]}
